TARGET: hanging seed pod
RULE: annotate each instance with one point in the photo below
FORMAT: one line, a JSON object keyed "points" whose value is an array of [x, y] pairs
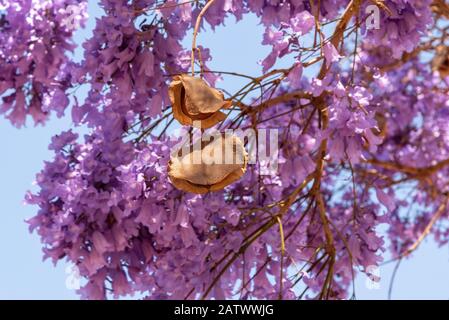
{"points": [[211, 166], [193, 100], [440, 62]]}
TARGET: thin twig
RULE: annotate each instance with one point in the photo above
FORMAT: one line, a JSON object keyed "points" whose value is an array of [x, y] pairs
{"points": [[195, 32]]}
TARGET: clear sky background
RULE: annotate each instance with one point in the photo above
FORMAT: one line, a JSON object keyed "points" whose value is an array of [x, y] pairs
{"points": [[23, 274]]}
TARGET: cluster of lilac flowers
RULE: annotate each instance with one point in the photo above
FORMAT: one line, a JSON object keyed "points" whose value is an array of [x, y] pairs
{"points": [[403, 25], [106, 203], [35, 71]]}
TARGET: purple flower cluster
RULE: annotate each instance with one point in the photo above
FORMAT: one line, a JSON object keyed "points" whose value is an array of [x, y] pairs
{"points": [[403, 24], [348, 139], [109, 209], [35, 71]]}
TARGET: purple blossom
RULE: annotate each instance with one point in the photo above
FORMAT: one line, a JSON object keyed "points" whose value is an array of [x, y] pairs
{"points": [[105, 202]]}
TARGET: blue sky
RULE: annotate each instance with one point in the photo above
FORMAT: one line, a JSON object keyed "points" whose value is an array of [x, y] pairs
{"points": [[23, 274]]}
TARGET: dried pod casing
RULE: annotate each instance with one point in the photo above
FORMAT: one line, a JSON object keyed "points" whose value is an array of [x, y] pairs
{"points": [[211, 166], [193, 100]]}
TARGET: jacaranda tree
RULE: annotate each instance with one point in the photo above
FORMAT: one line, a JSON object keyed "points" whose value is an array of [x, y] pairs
{"points": [[361, 121]]}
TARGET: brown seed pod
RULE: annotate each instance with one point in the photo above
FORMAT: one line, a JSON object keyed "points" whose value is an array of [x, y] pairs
{"points": [[206, 167], [193, 100], [440, 62]]}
